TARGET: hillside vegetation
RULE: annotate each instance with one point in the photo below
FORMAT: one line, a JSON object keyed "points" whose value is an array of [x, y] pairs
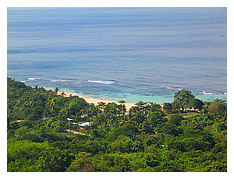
{"points": [[185, 135]]}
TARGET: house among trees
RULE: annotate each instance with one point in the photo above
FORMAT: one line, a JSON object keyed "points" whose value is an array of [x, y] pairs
{"points": [[85, 124]]}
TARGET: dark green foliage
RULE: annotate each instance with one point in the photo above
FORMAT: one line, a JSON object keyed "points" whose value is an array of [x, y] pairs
{"points": [[147, 139], [222, 109], [167, 107], [183, 98], [54, 160], [176, 119], [29, 156], [196, 104], [170, 128], [127, 130], [176, 105], [82, 163]]}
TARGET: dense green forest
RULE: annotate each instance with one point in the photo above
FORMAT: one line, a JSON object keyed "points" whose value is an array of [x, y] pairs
{"points": [[185, 135]]}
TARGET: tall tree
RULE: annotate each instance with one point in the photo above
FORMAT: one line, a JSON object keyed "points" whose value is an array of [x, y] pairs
{"points": [[56, 90], [184, 97], [196, 104], [167, 107]]}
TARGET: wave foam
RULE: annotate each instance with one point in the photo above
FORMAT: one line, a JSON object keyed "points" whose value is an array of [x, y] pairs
{"points": [[174, 88], [33, 79], [101, 82], [204, 92], [59, 80]]}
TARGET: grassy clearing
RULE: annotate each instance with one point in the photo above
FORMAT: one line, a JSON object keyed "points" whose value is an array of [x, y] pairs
{"points": [[185, 115]]}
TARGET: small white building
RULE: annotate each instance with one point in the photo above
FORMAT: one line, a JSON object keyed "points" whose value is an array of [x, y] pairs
{"points": [[85, 124]]}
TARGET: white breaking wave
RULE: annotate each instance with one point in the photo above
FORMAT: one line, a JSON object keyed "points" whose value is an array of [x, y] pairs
{"points": [[204, 92], [32, 78], [101, 82], [59, 80], [174, 88]]}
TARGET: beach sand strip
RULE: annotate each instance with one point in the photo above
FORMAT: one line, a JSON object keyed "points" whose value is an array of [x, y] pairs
{"points": [[95, 101]]}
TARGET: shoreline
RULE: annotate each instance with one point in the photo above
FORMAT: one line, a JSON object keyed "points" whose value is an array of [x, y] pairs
{"points": [[206, 97], [95, 101]]}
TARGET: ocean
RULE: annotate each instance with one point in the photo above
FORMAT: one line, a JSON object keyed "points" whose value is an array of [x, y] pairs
{"points": [[131, 54]]}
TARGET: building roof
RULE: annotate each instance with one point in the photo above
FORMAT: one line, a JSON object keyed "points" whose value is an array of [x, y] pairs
{"points": [[85, 124]]}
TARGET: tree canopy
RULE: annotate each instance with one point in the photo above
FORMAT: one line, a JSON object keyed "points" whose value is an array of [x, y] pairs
{"points": [[104, 138], [183, 98]]}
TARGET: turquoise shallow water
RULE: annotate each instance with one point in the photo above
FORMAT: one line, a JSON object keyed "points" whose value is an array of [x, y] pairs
{"points": [[134, 54], [160, 99], [133, 98]]}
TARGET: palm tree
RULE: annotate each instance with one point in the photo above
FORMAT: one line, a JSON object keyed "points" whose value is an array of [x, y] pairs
{"points": [[51, 103], [102, 105], [122, 106], [56, 90]]}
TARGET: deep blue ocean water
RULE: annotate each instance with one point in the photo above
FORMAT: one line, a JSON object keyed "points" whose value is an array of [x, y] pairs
{"points": [[135, 54]]}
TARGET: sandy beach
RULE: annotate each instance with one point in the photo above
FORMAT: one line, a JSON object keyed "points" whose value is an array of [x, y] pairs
{"points": [[95, 101]]}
